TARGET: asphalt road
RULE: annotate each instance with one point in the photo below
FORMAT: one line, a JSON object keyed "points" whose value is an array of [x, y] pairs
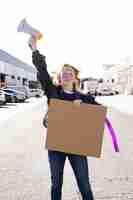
{"points": [[24, 170]]}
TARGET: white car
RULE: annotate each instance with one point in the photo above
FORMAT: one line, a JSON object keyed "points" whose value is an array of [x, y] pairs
{"points": [[2, 98], [92, 91], [36, 92], [105, 91]]}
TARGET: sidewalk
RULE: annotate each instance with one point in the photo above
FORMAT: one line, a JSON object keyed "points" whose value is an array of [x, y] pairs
{"points": [[9, 110], [123, 103]]}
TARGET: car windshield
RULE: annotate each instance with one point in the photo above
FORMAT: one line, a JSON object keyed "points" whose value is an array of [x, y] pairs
{"points": [[14, 90], [10, 91]]}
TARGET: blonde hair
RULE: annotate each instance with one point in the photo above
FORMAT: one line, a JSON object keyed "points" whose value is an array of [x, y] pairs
{"points": [[76, 84], [76, 71]]}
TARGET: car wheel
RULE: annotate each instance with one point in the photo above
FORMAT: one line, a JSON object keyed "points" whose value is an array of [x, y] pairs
{"points": [[16, 100], [37, 96], [96, 94], [22, 100], [13, 100]]}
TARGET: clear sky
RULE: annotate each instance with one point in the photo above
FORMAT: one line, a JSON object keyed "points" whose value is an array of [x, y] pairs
{"points": [[85, 33]]}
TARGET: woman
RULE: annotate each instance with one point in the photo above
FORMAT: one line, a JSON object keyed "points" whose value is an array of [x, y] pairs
{"points": [[65, 91]]}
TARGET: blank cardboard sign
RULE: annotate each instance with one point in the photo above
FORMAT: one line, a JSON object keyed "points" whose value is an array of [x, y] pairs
{"points": [[75, 129]]}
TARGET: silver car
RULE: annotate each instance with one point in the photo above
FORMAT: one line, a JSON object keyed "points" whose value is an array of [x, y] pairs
{"points": [[2, 98], [24, 89], [36, 92], [19, 96]]}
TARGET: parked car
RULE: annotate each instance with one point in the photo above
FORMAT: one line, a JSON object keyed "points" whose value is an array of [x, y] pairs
{"points": [[92, 92], [36, 92], [19, 96], [24, 89], [116, 92], [10, 98], [2, 98], [105, 91]]}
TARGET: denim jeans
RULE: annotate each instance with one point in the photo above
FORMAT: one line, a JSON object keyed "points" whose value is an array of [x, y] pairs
{"points": [[79, 165]]}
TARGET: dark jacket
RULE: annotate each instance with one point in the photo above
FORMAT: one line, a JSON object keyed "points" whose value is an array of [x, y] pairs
{"points": [[51, 90]]}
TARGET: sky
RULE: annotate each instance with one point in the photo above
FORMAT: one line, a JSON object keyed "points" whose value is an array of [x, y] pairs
{"points": [[84, 33]]}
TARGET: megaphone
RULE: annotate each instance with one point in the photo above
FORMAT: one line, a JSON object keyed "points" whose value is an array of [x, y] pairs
{"points": [[26, 28]]}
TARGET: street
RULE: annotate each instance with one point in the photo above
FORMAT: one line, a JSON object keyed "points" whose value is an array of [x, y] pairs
{"points": [[24, 170]]}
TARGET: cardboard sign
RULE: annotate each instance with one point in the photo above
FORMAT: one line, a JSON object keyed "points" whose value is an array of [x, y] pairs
{"points": [[75, 129]]}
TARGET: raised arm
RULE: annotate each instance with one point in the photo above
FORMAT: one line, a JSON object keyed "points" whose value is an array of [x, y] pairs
{"points": [[43, 75]]}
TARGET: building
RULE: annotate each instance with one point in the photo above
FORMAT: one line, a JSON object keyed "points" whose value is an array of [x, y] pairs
{"points": [[15, 72], [120, 76]]}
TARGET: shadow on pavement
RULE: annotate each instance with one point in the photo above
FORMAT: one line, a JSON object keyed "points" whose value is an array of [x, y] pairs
{"points": [[9, 104], [4, 107], [27, 102]]}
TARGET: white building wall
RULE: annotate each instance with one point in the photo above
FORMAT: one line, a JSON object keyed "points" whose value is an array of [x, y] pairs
{"points": [[11, 70], [122, 75]]}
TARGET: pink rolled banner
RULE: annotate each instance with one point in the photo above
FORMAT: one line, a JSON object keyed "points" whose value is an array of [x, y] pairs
{"points": [[113, 135]]}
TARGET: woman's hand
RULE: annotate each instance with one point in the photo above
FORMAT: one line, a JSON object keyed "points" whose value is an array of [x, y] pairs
{"points": [[77, 102], [32, 42]]}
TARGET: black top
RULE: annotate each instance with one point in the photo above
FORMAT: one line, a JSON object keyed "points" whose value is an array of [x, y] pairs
{"points": [[51, 90]]}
